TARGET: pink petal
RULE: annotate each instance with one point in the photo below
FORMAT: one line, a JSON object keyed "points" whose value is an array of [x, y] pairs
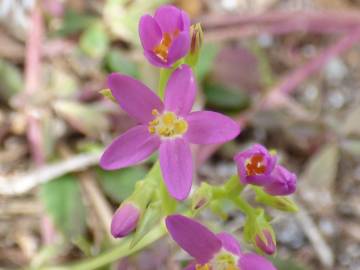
{"points": [[180, 47], [177, 167], [150, 32], [251, 261], [134, 97], [229, 243], [129, 148], [190, 267], [155, 60], [193, 237], [180, 91], [206, 127], [169, 18]]}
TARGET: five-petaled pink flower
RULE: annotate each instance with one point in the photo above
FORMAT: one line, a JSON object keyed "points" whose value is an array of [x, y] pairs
{"points": [[212, 251], [166, 36], [257, 166], [168, 126]]}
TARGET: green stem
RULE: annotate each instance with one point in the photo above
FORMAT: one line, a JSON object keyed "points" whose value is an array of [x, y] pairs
{"points": [[164, 76], [116, 253], [243, 205]]}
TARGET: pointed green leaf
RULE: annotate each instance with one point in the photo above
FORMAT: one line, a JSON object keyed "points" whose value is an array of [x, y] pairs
{"points": [[62, 201], [119, 185]]}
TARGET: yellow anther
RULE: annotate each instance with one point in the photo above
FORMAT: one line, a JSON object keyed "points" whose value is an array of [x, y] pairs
{"points": [[202, 267], [155, 112], [169, 118], [180, 126], [167, 125]]}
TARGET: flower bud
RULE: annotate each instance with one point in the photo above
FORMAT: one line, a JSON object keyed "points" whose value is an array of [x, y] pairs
{"points": [[201, 197], [265, 242], [255, 165], [196, 42], [283, 182], [258, 231], [279, 202], [125, 220]]}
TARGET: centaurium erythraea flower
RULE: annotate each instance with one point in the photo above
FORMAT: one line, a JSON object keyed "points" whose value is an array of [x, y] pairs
{"points": [[255, 165], [258, 166], [125, 220], [212, 251], [283, 182], [165, 37], [168, 126]]}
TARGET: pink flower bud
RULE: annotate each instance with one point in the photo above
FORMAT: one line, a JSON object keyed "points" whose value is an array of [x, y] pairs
{"points": [[268, 246], [283, 182], [124, 220]]}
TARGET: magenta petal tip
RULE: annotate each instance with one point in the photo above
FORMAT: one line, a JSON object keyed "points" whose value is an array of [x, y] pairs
{"points": [[124, 220]]}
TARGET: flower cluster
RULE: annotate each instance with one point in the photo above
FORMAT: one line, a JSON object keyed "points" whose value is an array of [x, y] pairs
{"points": [[166, 122], [257, 166], [212, 251]]}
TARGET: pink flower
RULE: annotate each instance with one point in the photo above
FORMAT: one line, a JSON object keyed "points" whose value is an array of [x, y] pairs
{"points": [[166, 36], [168, 126], [211, 251], [124, 220], [267, 245], [283, 182], [255, 165]]}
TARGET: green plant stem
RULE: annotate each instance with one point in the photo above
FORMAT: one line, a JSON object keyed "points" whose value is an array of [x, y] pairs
{"points": [[243, 205], [164, 76], [120, 251]]}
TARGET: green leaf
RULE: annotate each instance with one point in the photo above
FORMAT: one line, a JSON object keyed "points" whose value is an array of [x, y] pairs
{"points": [[62, 200], [206, 60], [115, 61], [74, 22], [11, 80], [286, 264], [95, 41], [88, 119], [119, 185], [221, 98]]}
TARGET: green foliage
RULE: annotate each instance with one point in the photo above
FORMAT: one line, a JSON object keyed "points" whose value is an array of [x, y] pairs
{"points": [[62, 200], [95, 41], [11, 80], [206, 60], [74, 22], [287, 264], [115, 61], [88, 119], [119, 184], [222, 98]]}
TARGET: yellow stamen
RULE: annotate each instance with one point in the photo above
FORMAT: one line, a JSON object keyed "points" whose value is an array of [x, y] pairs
{"points": [[167, 125], [202, 267]]}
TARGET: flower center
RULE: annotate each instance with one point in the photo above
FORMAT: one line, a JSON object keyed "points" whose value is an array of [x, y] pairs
{"points": [[255, 165], [222, 261], [162, 49], [167, 125]]}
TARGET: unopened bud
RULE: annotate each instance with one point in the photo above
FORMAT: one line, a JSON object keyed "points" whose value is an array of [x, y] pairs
{"points": [[196, 42], [258, 231], [125, 220], [283, 182], [265, 242], [201, 197]]}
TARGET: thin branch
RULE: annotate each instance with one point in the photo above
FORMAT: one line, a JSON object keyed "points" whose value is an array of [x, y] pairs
{"points": [[22, 183]]}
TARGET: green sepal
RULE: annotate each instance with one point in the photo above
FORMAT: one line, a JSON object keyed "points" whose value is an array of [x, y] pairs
{"points": [[106, 93], [255, 225], [149, 219], [217, 209], [202, 197], [196, 41], [278, 202]]}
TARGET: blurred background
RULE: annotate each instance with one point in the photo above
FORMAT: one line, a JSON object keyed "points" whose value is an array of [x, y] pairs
{"points": [[288, 71]]}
